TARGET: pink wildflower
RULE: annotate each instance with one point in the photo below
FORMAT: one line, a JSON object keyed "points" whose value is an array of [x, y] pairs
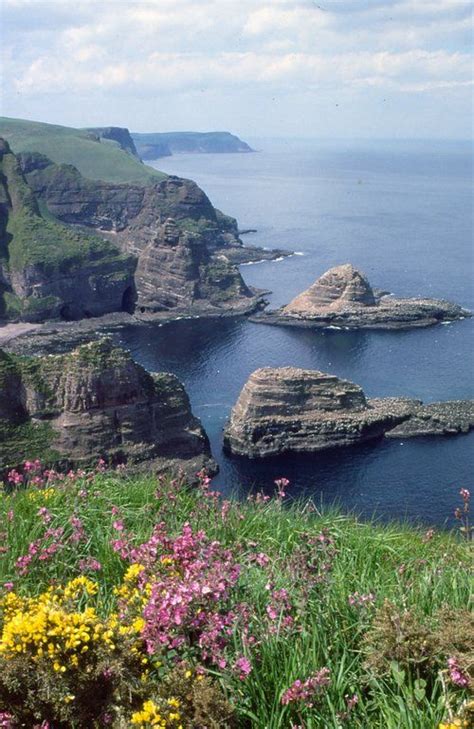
{"points": [[281, 484], [456, 673], [306, 691], [243, 666]]}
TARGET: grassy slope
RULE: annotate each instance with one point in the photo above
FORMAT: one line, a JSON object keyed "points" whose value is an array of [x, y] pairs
{"points": [[368, 560], [77, 147]]}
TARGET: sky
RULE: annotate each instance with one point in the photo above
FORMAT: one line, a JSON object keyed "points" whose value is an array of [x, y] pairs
{"points": [[300, 68]]}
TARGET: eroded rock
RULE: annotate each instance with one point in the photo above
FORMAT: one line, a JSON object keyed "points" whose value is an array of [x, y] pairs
{"points": [[287, 409], [343, 297], [96, 402]]}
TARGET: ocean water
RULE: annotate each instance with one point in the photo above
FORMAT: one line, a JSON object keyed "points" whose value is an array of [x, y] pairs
{"points": [[402, 212]]}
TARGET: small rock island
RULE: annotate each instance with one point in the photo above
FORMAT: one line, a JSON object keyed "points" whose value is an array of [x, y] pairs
{"points": [[286, 409], [343, 297]]}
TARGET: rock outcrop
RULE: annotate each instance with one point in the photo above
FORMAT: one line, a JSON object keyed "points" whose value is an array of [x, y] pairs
{"points": [[120, 135], [286, 409], [343, 297], [175, 271], [96, 402]]}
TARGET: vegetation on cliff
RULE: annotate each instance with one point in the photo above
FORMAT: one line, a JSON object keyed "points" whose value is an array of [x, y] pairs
{"points": [[79, 147], [125, 598]]}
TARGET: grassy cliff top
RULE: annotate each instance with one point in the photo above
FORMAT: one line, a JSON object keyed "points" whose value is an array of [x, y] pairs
{"points": [[93, 159]]}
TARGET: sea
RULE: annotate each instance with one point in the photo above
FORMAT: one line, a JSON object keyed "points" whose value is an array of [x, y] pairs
{"points": [[401, 211]]}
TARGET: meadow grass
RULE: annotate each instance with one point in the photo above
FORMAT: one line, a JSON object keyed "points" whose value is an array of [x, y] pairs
{"points": [[95, 160], [335, 573]]}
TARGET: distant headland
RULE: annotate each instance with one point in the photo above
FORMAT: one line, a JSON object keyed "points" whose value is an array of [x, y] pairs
{"points": [[163, 144]]}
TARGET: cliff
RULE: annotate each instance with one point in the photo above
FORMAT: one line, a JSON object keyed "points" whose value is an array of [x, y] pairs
{"points": [[288, 409], [160, 144], [74, 247], [117, 135], [343, 297], [185, 270], [92, 403], [47, 269], [83, 149]]}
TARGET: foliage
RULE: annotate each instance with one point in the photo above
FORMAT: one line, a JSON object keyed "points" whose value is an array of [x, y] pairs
{"points": [[223, 614]]}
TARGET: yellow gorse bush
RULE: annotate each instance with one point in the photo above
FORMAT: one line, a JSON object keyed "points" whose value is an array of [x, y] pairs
{"points": [[160, 716], [59, 626]]}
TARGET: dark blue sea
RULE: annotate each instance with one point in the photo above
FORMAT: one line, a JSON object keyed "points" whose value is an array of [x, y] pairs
{"points": [[401, 211]]}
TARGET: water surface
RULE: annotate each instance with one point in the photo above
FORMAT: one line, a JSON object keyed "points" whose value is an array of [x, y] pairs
{"points": [[402, 212]]}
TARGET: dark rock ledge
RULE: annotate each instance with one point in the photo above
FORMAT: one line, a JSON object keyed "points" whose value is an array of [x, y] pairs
{"points": [[286, 409], [344, 298]]}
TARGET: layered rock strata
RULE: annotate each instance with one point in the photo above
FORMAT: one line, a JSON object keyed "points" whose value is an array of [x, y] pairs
{"points": [[343, 297], [96, 402], [178, 239], [48, 270], [287, 409]]}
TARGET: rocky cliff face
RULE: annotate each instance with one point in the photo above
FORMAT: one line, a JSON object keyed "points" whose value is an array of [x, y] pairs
{"points": [[171, 228], [176, 271], [344, 297], [71, 247], [48, 270], [96, 402], [287, 409], [119, 135]]}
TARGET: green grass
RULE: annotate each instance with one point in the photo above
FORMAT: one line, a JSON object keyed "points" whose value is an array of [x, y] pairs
{"points": [[93, 159], [394, 562]]}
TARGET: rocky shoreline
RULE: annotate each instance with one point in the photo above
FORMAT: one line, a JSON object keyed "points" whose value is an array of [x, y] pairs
{"points": [[287, 409], [62, 336]]}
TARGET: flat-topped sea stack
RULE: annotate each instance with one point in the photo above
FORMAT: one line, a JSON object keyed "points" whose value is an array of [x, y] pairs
{"points": [[287, 409], [96, 402], [343, 297]]}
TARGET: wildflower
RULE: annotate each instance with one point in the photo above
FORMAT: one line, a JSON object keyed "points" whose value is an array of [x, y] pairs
{"points": [[44, 514], [243, 666], [306, 691], [351, 701], [281, 484], [456, 674], [465, 495], [14, 477], [359, 600]]}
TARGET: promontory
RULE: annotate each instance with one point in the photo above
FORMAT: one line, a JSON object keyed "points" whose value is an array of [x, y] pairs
{"points": [[343, 297], [286, 409]]}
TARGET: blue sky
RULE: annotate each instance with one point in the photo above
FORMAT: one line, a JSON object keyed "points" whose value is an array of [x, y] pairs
{"points": [[330, 68]]}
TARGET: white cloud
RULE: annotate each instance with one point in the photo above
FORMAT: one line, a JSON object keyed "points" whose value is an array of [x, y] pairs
{"points": [[146, 48]]}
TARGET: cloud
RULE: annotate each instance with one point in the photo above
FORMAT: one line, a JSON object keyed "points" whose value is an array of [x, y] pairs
{"points": [[53, 49]]}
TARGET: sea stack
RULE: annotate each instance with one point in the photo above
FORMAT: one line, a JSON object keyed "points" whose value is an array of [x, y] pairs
{"points": [[343, 297], [286, 409]]}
